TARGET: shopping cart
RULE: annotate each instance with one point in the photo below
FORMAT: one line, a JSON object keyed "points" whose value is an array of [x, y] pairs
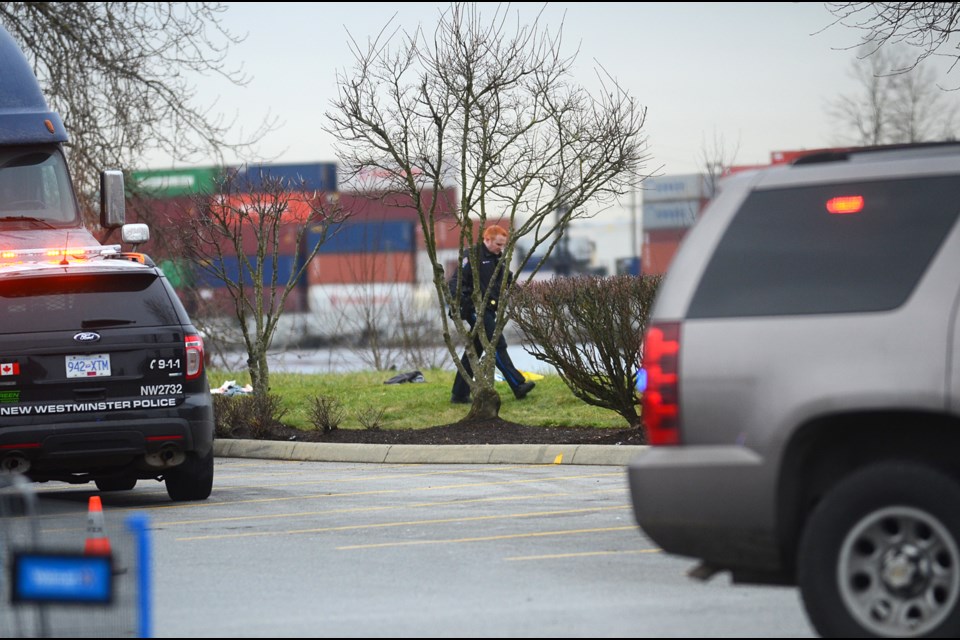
{"points": [[67, 569]]}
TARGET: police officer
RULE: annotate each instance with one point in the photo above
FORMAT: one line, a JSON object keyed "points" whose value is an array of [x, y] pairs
{"points": [[490, 274]]}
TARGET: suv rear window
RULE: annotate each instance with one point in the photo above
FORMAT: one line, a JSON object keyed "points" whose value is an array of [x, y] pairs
{"points": [[85, 301], [784, 253]]}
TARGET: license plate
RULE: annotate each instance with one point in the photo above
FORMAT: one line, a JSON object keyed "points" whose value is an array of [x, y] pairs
{"points": [[92, 366]]}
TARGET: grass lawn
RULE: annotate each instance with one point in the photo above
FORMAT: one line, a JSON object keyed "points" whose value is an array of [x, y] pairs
{"points": [[418, 405]]}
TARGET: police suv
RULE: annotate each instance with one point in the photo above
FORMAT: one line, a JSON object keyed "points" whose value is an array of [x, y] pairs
{"points": [[101, 373]]}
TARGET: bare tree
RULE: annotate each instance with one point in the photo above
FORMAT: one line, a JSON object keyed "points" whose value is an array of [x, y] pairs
{"points": [[493, 108], [893, 102], [926, 26], [117, 72], [715, 158], [219, 236]]}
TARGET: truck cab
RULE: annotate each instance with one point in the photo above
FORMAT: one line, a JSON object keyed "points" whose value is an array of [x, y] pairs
{"points": [[38, 204]]}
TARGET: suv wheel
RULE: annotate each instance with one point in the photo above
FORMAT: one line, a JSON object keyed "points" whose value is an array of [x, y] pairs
{"points": [[880, 555], [192, 479], [116, 484]]}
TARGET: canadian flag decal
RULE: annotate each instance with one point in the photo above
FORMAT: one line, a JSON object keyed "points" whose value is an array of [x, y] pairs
{"points": [[9, 368]]}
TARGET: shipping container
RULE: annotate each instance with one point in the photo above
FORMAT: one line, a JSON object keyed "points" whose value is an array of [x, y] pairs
{"points": [[352, 268], [447, 259], [665, 235], [670, 215], [295, 207], [167, 220], [376, 206], [658, 250], [359, 309], [179, 272], [161, 211], [680, 187], [285, 237], [168, 183], [314, 176], [287, 266], [629, 266], [218, 301], [361, 237]]}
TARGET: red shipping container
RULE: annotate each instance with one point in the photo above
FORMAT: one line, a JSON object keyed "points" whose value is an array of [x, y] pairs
{"points": [[665, 235], [287, 239], [298, 208], [351, 268], [165, 218], [373, 207], [659, 247]]}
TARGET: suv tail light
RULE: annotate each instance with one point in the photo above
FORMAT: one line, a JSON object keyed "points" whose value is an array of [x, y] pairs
{"points": [[194, 345], [661, 398]]}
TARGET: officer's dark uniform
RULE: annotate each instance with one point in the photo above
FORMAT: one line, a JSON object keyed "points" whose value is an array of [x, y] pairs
{"points": [[490, 276]]}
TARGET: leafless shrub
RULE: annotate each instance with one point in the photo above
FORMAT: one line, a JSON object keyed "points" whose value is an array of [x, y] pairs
{"points": [[371, 417], [326, 413], [591, 330], [251, 415], [223, 416]]}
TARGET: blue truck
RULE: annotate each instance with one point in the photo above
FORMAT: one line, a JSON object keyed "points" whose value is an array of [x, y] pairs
{"points": [[39, 209]]}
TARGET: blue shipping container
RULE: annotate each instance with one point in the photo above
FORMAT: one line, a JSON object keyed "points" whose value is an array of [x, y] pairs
{"points": [[366, 237], [317, 176], [285, 269]]}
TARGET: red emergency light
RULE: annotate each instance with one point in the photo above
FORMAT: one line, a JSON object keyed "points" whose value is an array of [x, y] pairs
{"points": [[845, 204]]}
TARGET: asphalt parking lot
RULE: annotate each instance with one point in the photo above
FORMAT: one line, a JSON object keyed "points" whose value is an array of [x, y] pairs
{"points": [[442, 550], [347, 549]]}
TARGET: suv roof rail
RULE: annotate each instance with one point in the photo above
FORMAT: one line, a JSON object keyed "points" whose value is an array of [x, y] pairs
{"points": [[841, 154]]}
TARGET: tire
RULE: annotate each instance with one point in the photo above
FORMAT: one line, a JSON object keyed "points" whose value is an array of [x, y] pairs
{"points": [[116, 484], [192, 479], [879, 555]]}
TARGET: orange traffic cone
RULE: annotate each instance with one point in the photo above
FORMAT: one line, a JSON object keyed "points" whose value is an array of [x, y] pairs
{"points": [[97, 541]]}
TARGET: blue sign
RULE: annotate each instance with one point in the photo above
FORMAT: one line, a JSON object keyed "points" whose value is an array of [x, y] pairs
{"points": [[62, 578]]}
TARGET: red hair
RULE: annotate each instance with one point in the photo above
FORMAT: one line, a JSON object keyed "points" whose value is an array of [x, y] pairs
{"points": [[494, 232]]}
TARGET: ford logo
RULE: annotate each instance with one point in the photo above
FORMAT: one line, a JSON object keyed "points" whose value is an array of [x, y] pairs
{"points": [[87, 336]]}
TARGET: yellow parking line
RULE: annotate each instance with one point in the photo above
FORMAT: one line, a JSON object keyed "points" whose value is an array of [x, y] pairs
{"points": [[404, 490], [508, 536], [414, 505], [413, 475], [408, 523]]}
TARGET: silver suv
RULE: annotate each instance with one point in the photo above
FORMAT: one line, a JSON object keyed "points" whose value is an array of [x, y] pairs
{"points": [[802, 390]]}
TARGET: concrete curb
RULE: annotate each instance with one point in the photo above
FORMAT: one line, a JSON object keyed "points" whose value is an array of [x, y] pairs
{"points": [[586, 454]]}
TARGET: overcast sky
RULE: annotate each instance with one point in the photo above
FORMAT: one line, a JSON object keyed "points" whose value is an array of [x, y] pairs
{"points": [[756, 76]]}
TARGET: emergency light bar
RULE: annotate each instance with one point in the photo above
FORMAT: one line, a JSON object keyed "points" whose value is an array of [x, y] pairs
{"points": [[16, 256]]}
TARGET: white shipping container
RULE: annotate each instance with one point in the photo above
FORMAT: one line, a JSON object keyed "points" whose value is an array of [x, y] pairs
{"points": [[670, 215], [446, 257], [683, 187], [358, 309]]}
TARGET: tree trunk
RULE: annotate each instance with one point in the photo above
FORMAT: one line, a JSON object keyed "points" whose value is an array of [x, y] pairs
{"points": [[486, 405], [259, 373]]}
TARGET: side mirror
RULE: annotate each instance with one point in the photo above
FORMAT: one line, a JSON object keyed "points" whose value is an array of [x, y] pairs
{"points": [[112, 203], [135, 234]]}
